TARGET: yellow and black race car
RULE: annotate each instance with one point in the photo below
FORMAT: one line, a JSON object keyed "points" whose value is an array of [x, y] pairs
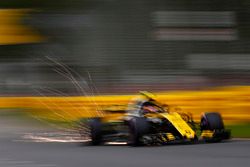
{"points": [[155, 124]]}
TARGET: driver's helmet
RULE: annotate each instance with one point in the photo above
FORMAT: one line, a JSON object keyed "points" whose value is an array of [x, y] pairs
{"points": [[136, 103], [147, 95]]}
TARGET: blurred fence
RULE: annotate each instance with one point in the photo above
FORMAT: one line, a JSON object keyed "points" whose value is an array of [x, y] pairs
{"points": [[232, 102]]}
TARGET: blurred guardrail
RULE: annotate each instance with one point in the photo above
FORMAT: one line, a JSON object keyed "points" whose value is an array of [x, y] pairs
{"points": [[232, 102]]}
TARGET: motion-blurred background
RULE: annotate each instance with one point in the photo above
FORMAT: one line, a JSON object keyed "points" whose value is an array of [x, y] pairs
{"points": [[97, 47], [124, 45]]}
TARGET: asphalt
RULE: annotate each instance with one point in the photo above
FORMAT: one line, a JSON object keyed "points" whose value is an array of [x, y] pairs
{"points": [[18, 150]]}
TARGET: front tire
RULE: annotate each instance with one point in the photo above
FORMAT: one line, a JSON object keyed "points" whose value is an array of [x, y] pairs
{"points": [[213, 122]]}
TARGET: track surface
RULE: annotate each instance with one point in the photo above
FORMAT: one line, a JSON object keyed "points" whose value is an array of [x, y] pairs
{"points": [[15, 152]]}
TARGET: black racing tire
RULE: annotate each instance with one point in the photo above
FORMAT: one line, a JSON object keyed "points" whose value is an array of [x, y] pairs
{"points": [[212, 121], [138, 126], [95, 126]]}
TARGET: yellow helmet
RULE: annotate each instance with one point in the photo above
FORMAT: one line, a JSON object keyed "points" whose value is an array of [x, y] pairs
{"points": [[147, 95]]}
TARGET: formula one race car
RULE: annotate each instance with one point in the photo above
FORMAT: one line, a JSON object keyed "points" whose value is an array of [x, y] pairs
{"points": [[155, 125]]}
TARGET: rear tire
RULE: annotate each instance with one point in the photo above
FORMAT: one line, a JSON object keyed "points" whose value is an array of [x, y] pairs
{"points": [[137, 128], [95, 131]]}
